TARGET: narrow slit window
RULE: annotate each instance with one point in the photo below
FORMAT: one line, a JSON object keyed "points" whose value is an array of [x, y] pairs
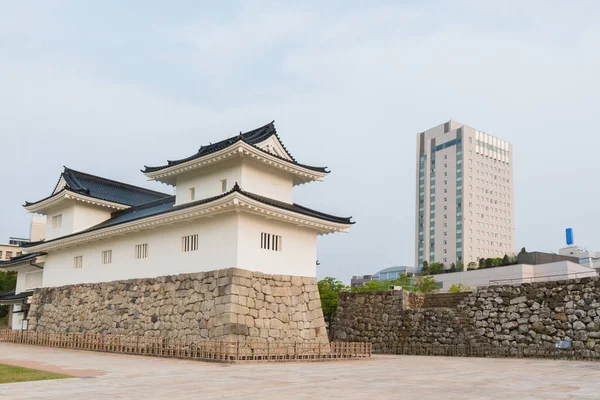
{"points": [[78, 262], [268, 241], [189, 243], [192, 194], [107, 257], [223, 185], [141, 251]]}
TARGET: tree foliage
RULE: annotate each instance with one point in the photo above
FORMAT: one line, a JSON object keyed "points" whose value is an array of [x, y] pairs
{"points": [[8, 281], [454, 288], [329, 290], [425, 284]]}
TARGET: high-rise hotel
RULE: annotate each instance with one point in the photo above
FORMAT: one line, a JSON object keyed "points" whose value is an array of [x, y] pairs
{"points": [[465, 203]]}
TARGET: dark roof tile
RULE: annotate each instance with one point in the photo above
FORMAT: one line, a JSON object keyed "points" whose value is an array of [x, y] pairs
{"points": [[252, 138], [105, 189]]}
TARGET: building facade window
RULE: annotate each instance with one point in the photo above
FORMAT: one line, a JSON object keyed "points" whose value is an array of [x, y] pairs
{"points": [[189, 243], [223, 185], [141, 251], [57, 221], [268, 241], [78, 262], [107, 257], [192, 194]]}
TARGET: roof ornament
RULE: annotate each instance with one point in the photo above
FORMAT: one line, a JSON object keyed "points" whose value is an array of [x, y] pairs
{"points": [[236, 187]]}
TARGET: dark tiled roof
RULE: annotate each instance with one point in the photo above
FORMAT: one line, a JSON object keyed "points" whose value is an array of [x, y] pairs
{"points": [[7, 293], [18, 296], [252, 138], [105, 189], [19, 259], [167, 205]]}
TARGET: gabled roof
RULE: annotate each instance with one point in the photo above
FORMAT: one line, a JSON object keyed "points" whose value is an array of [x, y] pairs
{"points": [[102, 189], [167, 205], [252, 138]]}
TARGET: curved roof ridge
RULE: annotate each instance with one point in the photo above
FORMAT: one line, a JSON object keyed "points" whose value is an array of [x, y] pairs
{"points": [[252, 138]]}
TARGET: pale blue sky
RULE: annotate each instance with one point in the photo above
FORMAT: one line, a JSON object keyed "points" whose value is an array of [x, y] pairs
{"points": [[105, 88]]}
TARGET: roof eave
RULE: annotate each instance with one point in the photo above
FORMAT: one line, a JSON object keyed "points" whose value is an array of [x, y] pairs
{"points": [[66, 194], [231, 202], [238, 149]]}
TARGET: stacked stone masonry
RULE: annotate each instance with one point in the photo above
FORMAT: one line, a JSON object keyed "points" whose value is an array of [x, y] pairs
{"points": [[231, 304], [532, 315]]}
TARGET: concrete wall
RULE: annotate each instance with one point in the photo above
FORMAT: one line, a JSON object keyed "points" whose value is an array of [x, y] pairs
{"points": [[225, 305], [514, 274]]}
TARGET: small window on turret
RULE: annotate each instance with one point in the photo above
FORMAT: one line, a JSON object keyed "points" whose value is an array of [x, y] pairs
{"points": [[223, 185], [57, 221], [192, 194]]}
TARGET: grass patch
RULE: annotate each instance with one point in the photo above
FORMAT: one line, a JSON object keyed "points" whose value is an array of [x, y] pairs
{"points": [[10, 374]]}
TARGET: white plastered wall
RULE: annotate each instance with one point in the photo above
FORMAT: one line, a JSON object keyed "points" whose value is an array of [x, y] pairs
{"points": [[250, 175], [225, 241], [217, 250], [298, 254], [76, 217], [207, 181]]}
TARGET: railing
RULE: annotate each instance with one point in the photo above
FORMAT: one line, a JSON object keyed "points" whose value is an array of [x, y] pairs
{"points": [[544, 278], [206, 350], [484, 350]]}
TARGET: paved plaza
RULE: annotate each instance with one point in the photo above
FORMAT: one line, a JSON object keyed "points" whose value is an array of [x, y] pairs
{"points": [[111, 376]]}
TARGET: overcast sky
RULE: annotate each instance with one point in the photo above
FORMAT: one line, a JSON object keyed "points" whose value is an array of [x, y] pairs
{"points": [[106, 87]]}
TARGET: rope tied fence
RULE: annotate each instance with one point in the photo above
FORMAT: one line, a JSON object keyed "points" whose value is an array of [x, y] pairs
{"points": [[202, 350]]}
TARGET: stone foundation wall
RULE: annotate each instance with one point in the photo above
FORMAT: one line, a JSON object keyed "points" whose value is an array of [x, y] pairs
{"points": [[529, 315], [397, 317], [226, 304]]}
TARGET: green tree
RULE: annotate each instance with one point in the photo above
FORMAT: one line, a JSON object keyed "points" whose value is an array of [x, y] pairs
{"points": [[426, 284], [482, 263], [472, 265], [436, 268], [329, 290], [454, 288], [460, 266], [489, 262], [506, 260], [523, 250], [8, 281]]}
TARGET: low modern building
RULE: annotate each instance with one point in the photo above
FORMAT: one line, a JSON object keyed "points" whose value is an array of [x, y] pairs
{"points": [[8, 251], [232, 208], [538, 257], [590, 259], [359, 280], [515, 274], [392, 273]]}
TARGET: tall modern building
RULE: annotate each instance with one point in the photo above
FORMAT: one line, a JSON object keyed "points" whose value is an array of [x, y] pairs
{"points": [[465, 203]]}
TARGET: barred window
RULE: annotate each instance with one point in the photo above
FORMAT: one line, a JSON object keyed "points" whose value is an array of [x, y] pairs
{"points": [[107, 257], [189, 243], [141, 251], [78, 262], [269, 241]]}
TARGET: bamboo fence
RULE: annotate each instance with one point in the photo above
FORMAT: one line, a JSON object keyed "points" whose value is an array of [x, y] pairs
{"points": [[188, 348]]}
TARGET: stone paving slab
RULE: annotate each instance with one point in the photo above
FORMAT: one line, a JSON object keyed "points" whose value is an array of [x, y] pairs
{"points": [[382, 377]]}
